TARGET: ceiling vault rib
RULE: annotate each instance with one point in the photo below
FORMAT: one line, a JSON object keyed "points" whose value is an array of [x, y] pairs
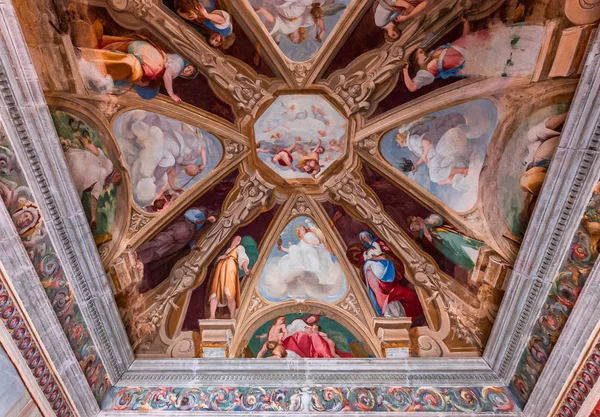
{"points": [[357, 284], [299, 74], [225, 167], [253, 195], [569, 183], [445, 97], [252, 26], [36, 144], [463, 223], [328, 52], [372, 76], [350, 191], [161, 105], [302, 205]]}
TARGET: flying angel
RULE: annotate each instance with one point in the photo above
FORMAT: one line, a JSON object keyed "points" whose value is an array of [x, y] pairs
{"points": [[294, 18]]}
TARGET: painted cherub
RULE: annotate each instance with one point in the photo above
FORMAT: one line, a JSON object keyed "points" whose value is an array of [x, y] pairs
{"points": [[27, 218], [315, 329], [336, 145], [277, 332], [281, 156], [310, 163]]}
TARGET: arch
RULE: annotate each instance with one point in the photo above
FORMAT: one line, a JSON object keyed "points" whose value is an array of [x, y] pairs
{"points": [[518, 109], [255, 320]]}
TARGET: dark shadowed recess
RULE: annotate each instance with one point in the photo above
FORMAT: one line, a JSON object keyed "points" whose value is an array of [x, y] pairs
{"points": [[196, 92], [365, 37], [400, 94]]}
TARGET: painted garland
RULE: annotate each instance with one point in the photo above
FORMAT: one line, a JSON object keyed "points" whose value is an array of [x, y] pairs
{"points": [[314, 400], [28, 221], [13, 320], [560, 302]]}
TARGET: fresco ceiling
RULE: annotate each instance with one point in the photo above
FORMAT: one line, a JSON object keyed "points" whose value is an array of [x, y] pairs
{"points": [[313, 179]]}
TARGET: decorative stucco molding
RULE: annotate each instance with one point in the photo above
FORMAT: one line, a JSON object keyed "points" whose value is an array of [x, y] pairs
{"points": [[254, 194], [15, 335], [565, 194], [236, 84], [308, 400], [564, 197], [265, 372], [37, 310], [31, 132], [459, 317]]}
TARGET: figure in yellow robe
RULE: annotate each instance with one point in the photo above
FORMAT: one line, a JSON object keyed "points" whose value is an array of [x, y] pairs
{"points": [[137, 60], [224, 289]]}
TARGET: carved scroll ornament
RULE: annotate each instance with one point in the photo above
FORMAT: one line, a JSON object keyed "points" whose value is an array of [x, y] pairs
{"points": [[358, 85], [254, 194], [462, 317]]}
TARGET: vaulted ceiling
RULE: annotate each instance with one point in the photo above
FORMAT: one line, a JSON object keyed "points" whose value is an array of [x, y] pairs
{"points": [[332, 179]]}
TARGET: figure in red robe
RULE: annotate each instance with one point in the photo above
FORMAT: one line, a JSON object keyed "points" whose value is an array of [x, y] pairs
{"points": [[384, 275], [306, 340]]}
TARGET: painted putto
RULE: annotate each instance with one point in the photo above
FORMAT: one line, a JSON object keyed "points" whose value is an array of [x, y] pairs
{"points": [[304, 336], [297, 179], [164, 157], [299, 27], [300, 136]]}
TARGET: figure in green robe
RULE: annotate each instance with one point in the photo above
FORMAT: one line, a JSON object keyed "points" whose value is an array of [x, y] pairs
{"points": [[459, 249]]}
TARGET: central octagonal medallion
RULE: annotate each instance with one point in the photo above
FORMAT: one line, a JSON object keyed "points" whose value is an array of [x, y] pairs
{"points": [[299, 136]]}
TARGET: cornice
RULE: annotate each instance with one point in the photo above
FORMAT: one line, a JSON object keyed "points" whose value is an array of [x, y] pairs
{"points": [[356, 372], [565, 194], [566, 191], [34, 139], [304, 400], [23, 349], [38, 311], [566, 366]]}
